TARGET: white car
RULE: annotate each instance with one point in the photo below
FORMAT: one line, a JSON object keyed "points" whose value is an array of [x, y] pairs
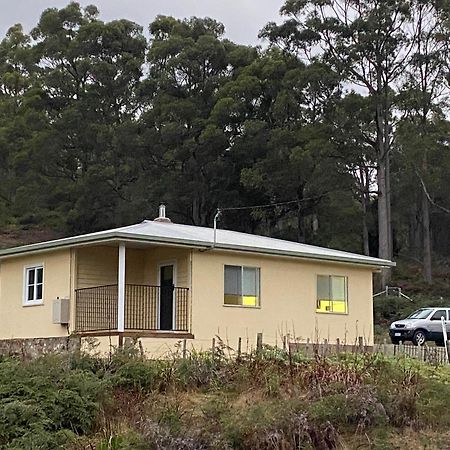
{"points": [[422, 325]]}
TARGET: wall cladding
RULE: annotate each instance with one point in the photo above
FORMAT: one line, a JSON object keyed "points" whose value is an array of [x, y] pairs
{"points": [[34, 347]]}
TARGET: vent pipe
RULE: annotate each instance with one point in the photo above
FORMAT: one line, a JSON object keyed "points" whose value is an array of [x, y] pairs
{"points": [[162, 214]]}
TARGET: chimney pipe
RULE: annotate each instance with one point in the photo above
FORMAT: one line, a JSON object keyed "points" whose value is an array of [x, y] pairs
{"points": [[162, 214]]}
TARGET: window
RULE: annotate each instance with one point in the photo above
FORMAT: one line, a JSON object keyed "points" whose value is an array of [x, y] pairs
{"points": [[34, 277], [241, 286], [439, 314], [331, 294]]}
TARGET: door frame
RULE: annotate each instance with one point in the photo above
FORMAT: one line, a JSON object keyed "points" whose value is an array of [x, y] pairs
{"points": [[159, 265]]}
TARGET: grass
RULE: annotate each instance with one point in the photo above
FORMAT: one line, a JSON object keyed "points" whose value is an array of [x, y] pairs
{"points": [[265, 401]]}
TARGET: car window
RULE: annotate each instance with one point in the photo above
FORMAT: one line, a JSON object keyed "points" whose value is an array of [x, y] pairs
{"points": [[438, 314], [420, 313]]}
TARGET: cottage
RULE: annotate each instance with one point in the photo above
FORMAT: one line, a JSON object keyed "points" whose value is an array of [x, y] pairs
{"points": [[163, 282]]}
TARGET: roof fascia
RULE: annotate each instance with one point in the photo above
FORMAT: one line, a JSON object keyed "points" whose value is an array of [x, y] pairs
{"points": [[131, 237]]}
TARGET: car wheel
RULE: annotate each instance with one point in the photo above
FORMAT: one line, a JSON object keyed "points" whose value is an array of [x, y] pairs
{"points": [[395, 341], [419, 338]]}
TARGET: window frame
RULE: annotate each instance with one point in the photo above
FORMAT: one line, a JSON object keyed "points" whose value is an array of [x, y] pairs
{"points": [[26, 271], [242, 267], [330, 276], [440, 318]]}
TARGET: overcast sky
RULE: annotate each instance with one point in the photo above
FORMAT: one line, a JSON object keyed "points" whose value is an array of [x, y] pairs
{"points": [[242, 18]]}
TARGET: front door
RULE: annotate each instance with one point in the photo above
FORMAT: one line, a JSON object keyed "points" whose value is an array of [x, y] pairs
{"points": [[166, 303]]}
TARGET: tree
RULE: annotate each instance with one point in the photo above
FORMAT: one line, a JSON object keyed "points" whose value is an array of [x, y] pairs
{"points": [[184, 151], [90, 72], [367, 42], [421, 100]]}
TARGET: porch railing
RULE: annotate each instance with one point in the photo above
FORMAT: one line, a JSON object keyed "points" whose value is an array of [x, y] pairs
{"points": [[96, 308]]}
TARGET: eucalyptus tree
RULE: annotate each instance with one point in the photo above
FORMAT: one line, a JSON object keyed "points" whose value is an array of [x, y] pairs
{"points": [[90, 72], [422, 101], [368, 43], [20, 119], [185, 153], [276, 110]]}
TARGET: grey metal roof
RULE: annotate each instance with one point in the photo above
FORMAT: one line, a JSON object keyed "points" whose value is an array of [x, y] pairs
{"points": [[192, 236]]}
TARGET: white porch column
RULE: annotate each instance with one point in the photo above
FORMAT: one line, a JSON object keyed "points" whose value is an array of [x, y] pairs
{"points": [[121, 290]]}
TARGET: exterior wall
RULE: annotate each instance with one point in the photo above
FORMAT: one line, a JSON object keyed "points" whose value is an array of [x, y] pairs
{"points": [[19, 321], [163, 255], [288, 295], [98, 266], [287, 303]]}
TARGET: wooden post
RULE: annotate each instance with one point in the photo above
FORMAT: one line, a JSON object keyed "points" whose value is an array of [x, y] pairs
{"points": [[120, 340], [239, 349], [284, 343], [360, 343], [184, 348], [338, 346], [213, 348], [259, 343]]}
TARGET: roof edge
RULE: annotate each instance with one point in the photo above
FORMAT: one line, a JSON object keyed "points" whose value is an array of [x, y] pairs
{"points": [[121, 236]]}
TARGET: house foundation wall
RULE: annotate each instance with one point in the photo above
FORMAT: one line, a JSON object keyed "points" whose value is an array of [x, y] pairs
{"points": [[35, 347]]}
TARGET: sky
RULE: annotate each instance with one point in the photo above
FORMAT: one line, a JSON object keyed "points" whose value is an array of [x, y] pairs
{"points": [[242, 18]]}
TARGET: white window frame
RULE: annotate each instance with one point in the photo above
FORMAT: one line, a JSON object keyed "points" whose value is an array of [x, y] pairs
{"points": [[346, 294], [258, 306], [26, 270]]}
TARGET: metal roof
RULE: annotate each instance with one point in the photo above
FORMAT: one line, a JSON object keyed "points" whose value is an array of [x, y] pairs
{"points": [[201, 237]]}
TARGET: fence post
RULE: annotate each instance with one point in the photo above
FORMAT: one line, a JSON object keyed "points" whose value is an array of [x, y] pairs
{"points": [[338, 346], [259, 343], [184, 348], [360, 343], [213, 348], [239, 349], [284, 342]]}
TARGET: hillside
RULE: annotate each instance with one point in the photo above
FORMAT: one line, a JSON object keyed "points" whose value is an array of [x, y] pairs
{"points": [[14, 236]]}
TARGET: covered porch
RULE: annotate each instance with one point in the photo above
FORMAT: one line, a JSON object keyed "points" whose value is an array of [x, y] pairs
{"points": [[138, 290]]}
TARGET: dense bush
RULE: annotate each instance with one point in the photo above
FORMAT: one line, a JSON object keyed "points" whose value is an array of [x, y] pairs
{"points": [[207, 401], [46, 402]]}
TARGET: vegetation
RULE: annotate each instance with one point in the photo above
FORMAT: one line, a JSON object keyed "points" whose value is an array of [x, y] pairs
{"points": [[267, 401], [341, 120]]}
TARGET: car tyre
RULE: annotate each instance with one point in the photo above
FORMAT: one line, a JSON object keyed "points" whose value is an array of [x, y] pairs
{"points": [[395, 341], [419, 338]]}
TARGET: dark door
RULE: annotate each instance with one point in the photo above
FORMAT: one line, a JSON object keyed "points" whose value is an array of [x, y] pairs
{"points": [[166, 298]]}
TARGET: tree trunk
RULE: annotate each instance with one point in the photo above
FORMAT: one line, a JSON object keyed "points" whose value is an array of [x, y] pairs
{"points": [[384, 182], [365, 229], [383, 222], [427, 272]]}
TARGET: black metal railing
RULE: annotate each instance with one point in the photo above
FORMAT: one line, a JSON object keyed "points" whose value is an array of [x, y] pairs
{"points": [[96, 308]]}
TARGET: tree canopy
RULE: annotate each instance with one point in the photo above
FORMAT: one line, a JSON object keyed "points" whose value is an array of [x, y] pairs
{"points": [[336, 129]]}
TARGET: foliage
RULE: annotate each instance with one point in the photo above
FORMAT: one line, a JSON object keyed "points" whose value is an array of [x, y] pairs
{"points": [[263, 400], [98, 124]]}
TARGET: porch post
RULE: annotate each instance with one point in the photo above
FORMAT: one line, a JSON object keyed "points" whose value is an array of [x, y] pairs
{"points": [[121, 290]]}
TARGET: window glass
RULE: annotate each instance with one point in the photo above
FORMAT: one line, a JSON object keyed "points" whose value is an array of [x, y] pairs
{"points": [[323, 293], [34, 278], [438, 314], [241, 286], [420, 314], [331, 294]]}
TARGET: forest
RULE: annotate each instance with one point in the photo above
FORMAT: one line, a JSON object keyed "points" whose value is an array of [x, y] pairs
{"points": [[334, 131]]}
